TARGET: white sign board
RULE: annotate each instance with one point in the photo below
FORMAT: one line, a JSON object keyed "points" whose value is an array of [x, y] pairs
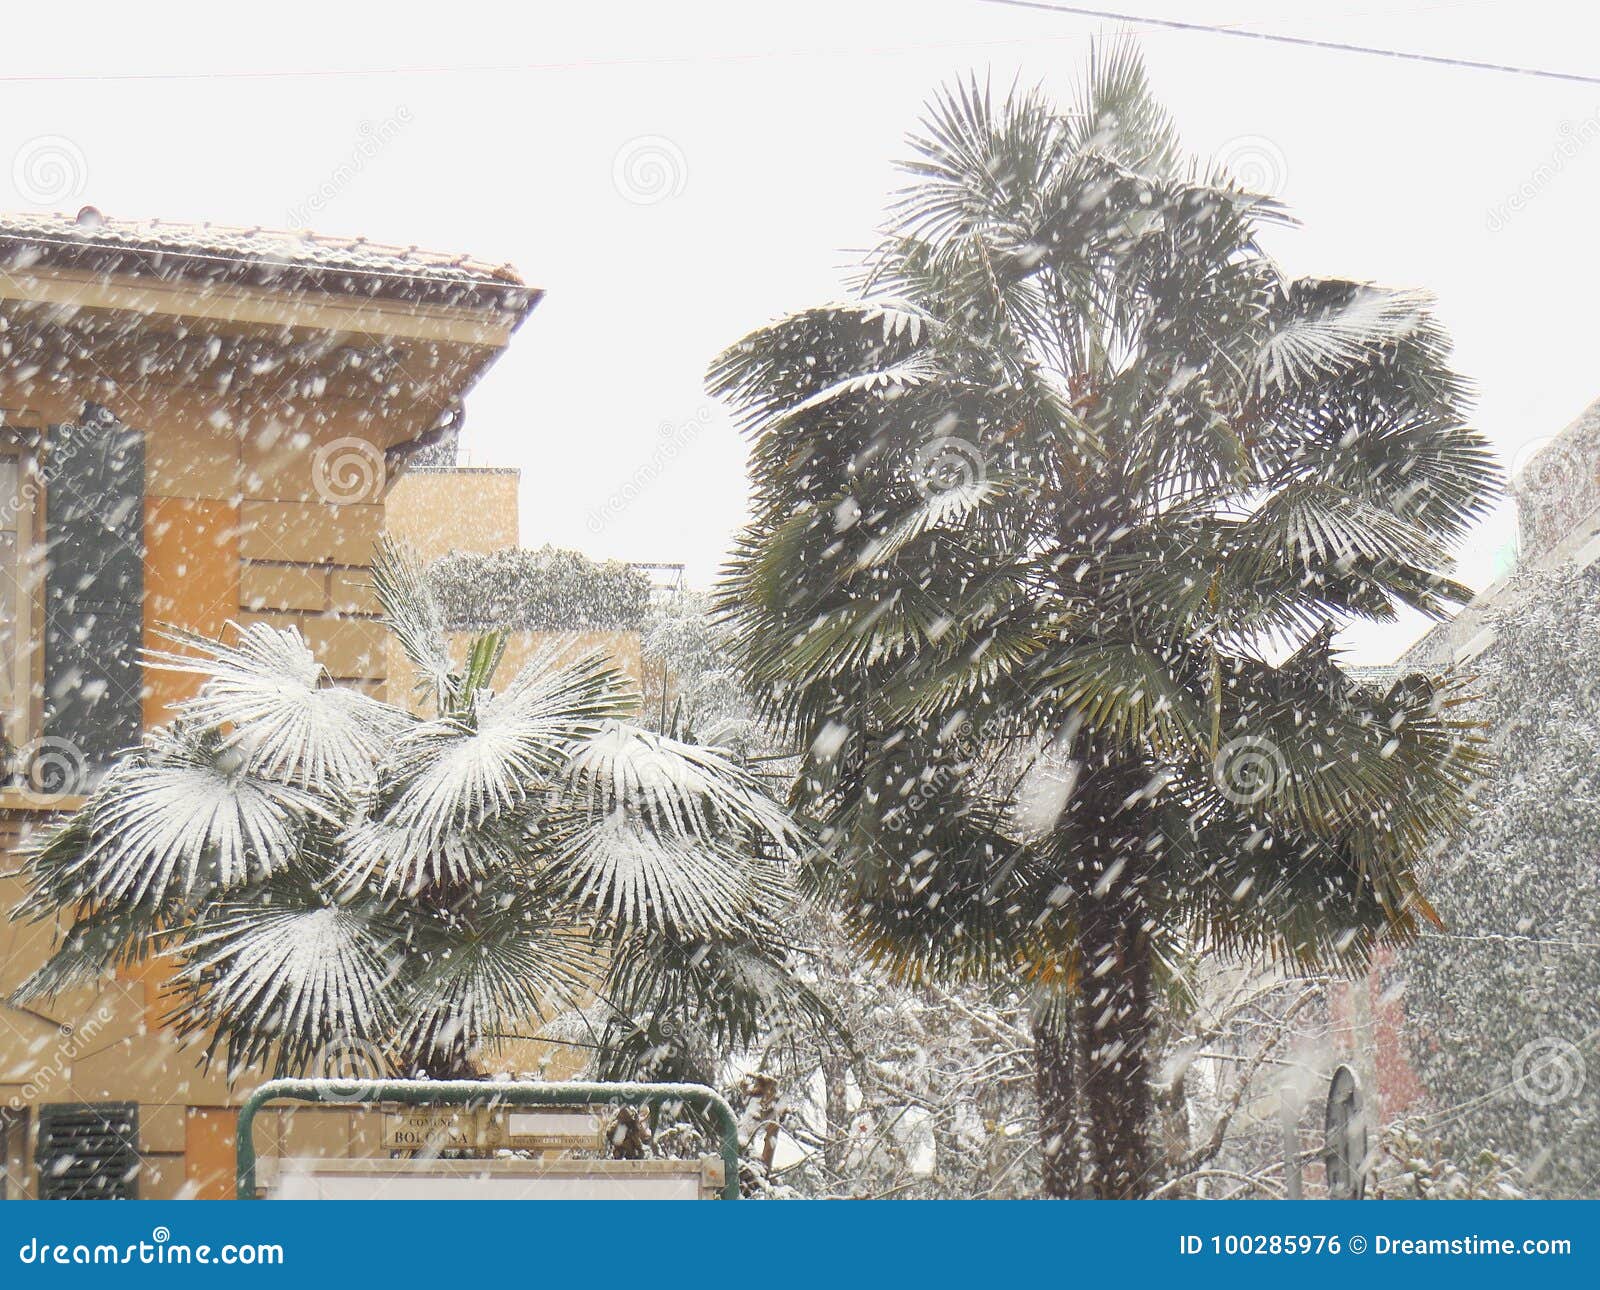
{"points": [[310, 1178]]}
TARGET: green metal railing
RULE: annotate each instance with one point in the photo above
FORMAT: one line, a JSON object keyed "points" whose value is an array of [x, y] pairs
{"points": [[483, 1093]]}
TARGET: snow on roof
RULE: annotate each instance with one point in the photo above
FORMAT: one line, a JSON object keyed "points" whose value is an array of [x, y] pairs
{"points": [[259, 256]]}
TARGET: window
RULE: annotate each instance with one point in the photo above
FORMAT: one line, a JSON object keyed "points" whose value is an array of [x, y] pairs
{"points": [[88, 1151], [70, 627]]}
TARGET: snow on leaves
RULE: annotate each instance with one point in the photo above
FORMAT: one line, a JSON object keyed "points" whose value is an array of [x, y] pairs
{"points": [[330, 869]]}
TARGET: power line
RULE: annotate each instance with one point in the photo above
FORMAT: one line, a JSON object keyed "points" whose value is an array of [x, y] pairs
{"points": [[1303, 42], [1508, 938]]}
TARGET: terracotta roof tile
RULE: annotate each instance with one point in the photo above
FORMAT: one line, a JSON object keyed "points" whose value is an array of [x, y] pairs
{"points": [[267, 257]]}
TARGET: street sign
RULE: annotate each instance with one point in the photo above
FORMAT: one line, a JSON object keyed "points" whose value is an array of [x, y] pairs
{"points": [[480, 1116], [438, 1128], [1345, 1137], [442, 1128]]}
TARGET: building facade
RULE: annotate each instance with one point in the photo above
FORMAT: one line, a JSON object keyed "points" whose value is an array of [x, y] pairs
{"points": [[197, 425]]}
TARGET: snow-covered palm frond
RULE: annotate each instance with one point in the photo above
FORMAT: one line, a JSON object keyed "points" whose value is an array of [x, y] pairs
{"points": [[898, 317], [471, 986], [294, 977], [1338, 325], [969, 157], [191, 829], [92, 947], [673, 787], [455, 773], [724, 992], [412, 613], [1322, 527], [281, 710], [943, 507], [802, 356], [576, 1026], [403, 860], [636, 878], [888, 381]]}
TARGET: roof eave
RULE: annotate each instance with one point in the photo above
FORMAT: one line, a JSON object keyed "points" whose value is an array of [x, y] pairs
{"points": [[511, 296]]}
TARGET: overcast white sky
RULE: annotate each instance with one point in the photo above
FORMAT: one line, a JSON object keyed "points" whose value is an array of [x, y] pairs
{"points": [[507, 133]]}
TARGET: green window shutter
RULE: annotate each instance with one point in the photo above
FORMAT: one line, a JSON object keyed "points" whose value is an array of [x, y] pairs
{"points": [[88, 1151], [94, 587]]}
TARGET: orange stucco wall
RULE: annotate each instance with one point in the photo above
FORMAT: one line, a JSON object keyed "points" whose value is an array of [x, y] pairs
{"points": [[246, 520], [464, 508], [191, 581]]}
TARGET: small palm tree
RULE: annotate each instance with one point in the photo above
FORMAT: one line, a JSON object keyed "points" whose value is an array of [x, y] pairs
{"points": [[335, 875], [1055, 520]]}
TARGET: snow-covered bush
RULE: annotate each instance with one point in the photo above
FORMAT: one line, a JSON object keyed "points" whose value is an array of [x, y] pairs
{"points": [[540, 590]]}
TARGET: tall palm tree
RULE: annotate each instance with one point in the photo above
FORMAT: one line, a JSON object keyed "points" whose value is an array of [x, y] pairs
{"points": [[342, 881], [1055, 519]]}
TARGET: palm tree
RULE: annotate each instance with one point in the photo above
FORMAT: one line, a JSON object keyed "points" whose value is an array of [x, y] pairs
{"points": [[1055, 520], [339, 880]]}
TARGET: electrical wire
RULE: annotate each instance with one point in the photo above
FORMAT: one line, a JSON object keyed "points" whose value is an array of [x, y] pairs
{"points": [[1301, 42]]}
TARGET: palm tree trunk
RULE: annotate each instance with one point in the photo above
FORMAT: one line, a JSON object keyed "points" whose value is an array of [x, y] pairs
{"points": [[1172, 1117], [1055, 1082], [1115, 1021]]}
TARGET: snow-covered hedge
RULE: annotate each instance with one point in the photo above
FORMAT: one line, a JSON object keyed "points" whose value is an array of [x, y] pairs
{"points": [[543, 590]]}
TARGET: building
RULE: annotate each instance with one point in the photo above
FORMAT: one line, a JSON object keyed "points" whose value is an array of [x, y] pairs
{"points": [[1557, 494], [469, 513], [197, 425], [1558, 523]]}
